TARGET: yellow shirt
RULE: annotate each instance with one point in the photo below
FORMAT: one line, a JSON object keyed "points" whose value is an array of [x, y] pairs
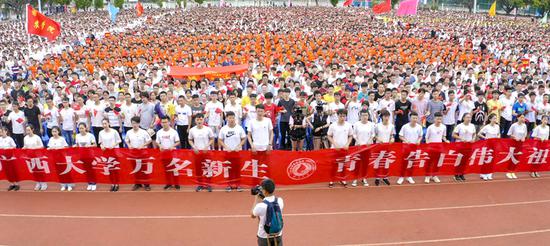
{"points": [[328, 98], [494, 107], [245, 101]]}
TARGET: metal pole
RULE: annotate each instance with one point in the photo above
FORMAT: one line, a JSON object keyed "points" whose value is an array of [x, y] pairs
{"points": [[475, 6], [40, 6]]}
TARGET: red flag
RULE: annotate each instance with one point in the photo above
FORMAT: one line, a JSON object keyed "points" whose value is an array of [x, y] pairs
{"points": [[139, 9], [39, 24], [348, 2], [382, 7]]}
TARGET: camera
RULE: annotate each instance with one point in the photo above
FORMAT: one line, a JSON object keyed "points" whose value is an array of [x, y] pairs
{"points": [[257, 191]]}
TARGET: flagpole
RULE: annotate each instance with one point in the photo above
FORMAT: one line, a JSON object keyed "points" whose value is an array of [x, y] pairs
{"points": [[40, 6], [475, 6]]}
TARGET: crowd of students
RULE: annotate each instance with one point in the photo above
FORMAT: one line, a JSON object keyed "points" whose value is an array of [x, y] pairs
{"points": [[348, 79]]}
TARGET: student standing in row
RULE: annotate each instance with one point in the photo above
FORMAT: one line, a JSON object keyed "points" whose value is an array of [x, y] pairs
{"points": [[33, 141], [435, 134], [411, 133], [138, 138], [464, 132], [85, 139], [57, 142], [6, 142]]}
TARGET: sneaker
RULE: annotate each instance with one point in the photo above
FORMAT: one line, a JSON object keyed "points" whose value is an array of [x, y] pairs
{"points": [[365, 183], [509, 176], [178, 187], [377, 182], [239, 189], [94, 187], [112, 188], [456, 178], [209, 188], [167, 187], [331, 185], [514, 176], [400, 180], [11, 187], [344, 183], [485, 178], [63, 188], [533, 175], [199, 188], [462, 177], [228, 189], [490, 176], [136, 187], [16, 187], [436, 179], [427, 180], [354, 183], [410, 180], [43, 187], [537, 174], [89, 187], [69, 188], [386, 181], [37, 187], [147, 187], [116, 187]]}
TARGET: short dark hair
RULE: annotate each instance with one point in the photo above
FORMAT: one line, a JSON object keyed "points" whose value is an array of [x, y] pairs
{"points": [[136, 119], [268, 185], [229, 113]]}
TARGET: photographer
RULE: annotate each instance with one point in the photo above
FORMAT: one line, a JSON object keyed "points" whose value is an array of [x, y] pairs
{"points": [[319, 123], [268, 208]]}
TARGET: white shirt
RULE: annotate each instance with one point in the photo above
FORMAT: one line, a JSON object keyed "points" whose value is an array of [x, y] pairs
{"points": [[57, 143], [128, 111], [17, 122], [340, 134], [232, 136], [353, 112], [507, 104], [87, 140], [51, 116], [237, 109], [68, 116], [490, 131], [260, 132], [32, 142], [7, 143], [214, 118], [96, 114], [411, 134], [363, 133], [435, 134], [466, 132], [109, 139], [136, 139], [384, 133], [518, 131], [201, 137], [260, 210], [167, 138], [541, 132], [183, 114]]}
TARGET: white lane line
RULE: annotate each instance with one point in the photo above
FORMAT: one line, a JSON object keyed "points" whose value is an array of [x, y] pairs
{"points": [[284, 188], [286, 215], [454, 238]]}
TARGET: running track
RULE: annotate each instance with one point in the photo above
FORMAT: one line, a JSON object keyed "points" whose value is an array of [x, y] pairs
{"points": [[500, 212]]}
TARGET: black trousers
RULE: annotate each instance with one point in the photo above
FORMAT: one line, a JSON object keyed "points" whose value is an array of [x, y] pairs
{"points": [[18, 139], [449, 134], [184, 135], [284, 129], [504, 127], [95, 131], [278, 241]]}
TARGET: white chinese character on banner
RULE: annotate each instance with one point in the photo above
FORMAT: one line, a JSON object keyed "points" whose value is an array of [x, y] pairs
{"points": [[139, 165], [4, 158], [179, 165], [348, 162], [483, 155], [510, 156], [212, 168], [383, 158], [538, 156], [70, 165], [38, 165], [107, 164], [254, 169], [452, 157], [419, 157]]}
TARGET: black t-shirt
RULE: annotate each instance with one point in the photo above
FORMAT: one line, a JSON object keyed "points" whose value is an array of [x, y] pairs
{"points": [[289, 106], [32, 116], [378, 96], [406, 108], [480, 113], [194, 111]]}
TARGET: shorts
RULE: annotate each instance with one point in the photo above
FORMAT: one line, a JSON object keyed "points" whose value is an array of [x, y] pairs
{"points": [[272, 241]]}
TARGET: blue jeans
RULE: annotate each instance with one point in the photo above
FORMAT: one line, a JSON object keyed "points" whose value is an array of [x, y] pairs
{"points": [[68, 135]]}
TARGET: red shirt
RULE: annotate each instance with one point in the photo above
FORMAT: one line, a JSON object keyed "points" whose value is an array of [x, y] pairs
{"points": [[271, 112]]}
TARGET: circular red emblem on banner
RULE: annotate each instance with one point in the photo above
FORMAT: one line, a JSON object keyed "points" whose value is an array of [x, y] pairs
{"points": [[301, 169]]}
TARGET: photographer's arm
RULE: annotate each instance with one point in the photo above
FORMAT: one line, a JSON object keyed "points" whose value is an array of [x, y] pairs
{"points": [[257, 200]]}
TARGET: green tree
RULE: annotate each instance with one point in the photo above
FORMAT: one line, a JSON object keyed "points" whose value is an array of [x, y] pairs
{"points": [[178, 2], [63, 2], [469, 4], [159, 3], [99, 4], [119, 3], [199, 1], [509, 5], [334, 2], [83, 4], [543, 5]]}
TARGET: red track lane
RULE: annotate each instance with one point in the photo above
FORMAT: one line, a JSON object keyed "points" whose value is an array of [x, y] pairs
{"points": [[492, 213]]}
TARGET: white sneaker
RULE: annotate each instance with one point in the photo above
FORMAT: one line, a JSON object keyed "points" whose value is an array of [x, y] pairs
{"points": [[365, 183], [354, 183], [37, 187], [485, 178], [427, 180], [533, 175], [43, 186], [400, 180], [490, 176], [514, 176], [63, 187], [69, 188], [89, 187], [94, 187], [509, 176], [436, 179], [410, 180]]}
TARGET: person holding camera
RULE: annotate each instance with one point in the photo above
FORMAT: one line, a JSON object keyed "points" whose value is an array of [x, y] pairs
{"points": [[268, 209], [319, 123], [297, 129]]}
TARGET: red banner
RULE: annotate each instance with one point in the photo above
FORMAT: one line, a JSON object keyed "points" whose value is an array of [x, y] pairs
{"points": [[127, 166], [209, 72], [39, 24]]}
